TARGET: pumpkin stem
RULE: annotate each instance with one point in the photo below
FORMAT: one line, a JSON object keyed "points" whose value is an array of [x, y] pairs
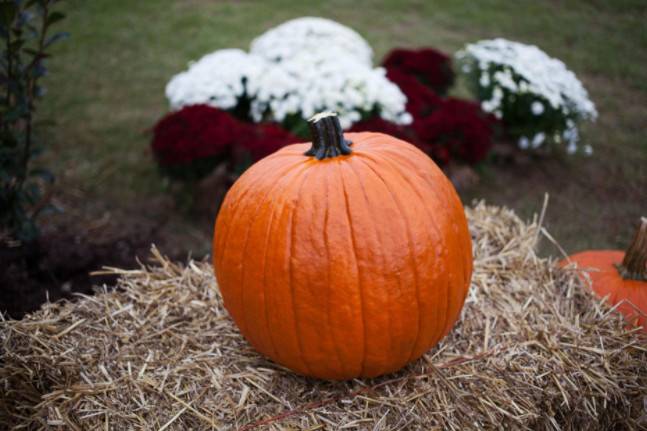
{"points": [[327, 136], [634, 264]]}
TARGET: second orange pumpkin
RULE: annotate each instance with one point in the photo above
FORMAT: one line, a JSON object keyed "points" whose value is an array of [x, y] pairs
{"points": [[342, 260], [619, 277]]}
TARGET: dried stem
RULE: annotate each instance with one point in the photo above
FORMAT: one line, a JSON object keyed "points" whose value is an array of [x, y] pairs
{"points": [[634, 264], [327, 137]]}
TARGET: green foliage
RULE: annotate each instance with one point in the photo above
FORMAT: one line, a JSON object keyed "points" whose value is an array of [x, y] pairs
{"points": [[24, 28]]}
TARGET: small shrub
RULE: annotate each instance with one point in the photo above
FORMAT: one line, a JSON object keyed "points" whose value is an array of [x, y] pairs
{"points": [[25, 39], [188, 144], [459, 130], [539, 100]]}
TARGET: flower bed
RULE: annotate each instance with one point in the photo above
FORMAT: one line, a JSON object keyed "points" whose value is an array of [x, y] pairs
{"points": [[533, 349], [309, 65], [305, 66]]}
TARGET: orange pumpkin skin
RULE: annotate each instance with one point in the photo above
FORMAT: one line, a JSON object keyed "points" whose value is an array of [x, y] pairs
{"points": [[350, 266], [606, 281]]}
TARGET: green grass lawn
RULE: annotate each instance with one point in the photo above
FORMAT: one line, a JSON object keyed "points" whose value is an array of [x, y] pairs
{"points": [[106, 90]]}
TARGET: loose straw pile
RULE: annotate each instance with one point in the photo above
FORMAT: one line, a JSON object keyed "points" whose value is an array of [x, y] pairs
{"points": [[533, 350]]}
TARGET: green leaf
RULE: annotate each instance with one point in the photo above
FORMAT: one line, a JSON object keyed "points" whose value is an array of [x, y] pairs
{"points": [[56, 38], [37, 151], [43, 174], [8, 11], [9, 142], [32, 30], [27, 230], [32, 51], [16, 45], [13, 114], [39, 91], [54, 17], [4, 176], [38, 70], [31, 193], [50, 209]]}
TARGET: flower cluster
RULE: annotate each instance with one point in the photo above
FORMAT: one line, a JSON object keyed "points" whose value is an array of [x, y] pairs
{"points": [[431, 67], [263, 139], [445, 128], [190, 142], [193, 132], [217, 79], [421, 100], [293, 71], [309, 83], [538, 99], [311, 35], [457, 129], [376, 124]]}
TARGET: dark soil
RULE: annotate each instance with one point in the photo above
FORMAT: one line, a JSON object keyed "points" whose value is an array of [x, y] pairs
{"points": [[84, 239], [59, 264]]}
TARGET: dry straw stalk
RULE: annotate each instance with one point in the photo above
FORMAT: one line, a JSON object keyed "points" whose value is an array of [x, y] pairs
{"points": [[533, 350]]}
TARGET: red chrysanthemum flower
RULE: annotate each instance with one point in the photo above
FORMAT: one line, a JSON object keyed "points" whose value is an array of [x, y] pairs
{"points": [[261, 140], [454, 129], [193, 133], [379, 125], [430, 67], [421, 101], [459, 128]]}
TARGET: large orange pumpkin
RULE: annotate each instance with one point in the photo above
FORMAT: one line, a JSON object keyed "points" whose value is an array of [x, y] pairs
{"points": [[349, 258], [619, 276]]}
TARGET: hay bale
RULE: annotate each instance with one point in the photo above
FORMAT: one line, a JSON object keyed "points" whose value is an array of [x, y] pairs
{"points": [[533, 350]]}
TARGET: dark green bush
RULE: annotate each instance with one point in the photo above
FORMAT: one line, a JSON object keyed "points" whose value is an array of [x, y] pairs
{"points": [[25, 42]]}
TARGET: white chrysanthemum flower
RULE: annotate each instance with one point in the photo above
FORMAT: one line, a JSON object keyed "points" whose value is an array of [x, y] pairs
{"points": [[523, 143], [537, 108], [311, 34], [217, 79], [488, 106], [571, 135], [309, 82], [505, 80], [484, 81], [313, 83], [545, 76], [497, 95], [538, 139]]}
